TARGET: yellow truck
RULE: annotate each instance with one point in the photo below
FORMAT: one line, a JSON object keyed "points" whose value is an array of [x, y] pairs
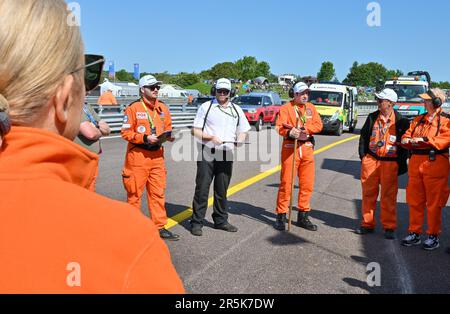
{"points": [[336, 104]]}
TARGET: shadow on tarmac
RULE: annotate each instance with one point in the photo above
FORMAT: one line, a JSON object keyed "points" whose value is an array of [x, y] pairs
{"points": [[353, 168], [286, 238], [234, 209], [333, 220], [403, 269]]}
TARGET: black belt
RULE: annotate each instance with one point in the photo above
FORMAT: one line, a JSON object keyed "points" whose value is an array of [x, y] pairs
{"points": [[428, 151], [213, 150], [311, 139], [148, 147], [371, 153]]}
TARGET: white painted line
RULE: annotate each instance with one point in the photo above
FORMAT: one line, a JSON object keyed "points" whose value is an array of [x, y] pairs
{"points": [[215, 261], [401, 268]]}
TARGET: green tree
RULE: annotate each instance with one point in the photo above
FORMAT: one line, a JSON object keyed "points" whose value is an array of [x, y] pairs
{"points": [[262, 69], [247, 67], [124, 76], [394, 73], [351, 77], [370, 74], [185, 79], [205, 75], [327, 72], [272, 78], [225, 69], [164, 77], [443, 85]]}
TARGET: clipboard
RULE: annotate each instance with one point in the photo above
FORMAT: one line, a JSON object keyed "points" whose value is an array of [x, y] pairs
{"points": [[164, 137]]}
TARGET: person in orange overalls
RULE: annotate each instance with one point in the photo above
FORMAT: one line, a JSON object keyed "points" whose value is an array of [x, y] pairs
{"points": [[309, 123], [428, 140], [382, 161], [107, 98], [56, 236], [144, 121]]}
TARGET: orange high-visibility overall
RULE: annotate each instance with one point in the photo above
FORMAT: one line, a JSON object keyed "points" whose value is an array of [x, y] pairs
{"points": [[145, 168], [376, 173], [107, 98], [56, 236], [428, 179], [304, 159]]}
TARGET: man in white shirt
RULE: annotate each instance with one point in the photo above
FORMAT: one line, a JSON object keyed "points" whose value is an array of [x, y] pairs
{"points": [[218, 127]]}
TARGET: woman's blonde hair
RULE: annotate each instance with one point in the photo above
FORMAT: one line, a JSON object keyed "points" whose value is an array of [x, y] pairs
{"points": [[38, 48]]}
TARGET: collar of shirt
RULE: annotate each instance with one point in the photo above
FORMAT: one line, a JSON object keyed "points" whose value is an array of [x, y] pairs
{"points": [[386, 119], [430, 117], [222, 125], [217, 104], [150, 106]]}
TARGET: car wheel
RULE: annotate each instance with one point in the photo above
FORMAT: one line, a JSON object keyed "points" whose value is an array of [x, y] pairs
{"points": [[340, 129], [275, 120], [351, 128], [259, 124]]}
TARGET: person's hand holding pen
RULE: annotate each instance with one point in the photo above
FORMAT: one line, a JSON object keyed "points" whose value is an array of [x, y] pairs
{"points": [[217, 141]]}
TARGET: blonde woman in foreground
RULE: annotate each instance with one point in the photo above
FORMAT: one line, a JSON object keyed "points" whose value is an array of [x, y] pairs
{"points": [[56, 236]]}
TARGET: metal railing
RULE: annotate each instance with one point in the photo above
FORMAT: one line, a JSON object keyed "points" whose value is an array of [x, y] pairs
{"points": [[183, 115]]}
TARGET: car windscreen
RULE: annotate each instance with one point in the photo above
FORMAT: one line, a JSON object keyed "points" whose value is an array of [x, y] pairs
{"points": [[408, 93], [326, 98], [248, 101]]}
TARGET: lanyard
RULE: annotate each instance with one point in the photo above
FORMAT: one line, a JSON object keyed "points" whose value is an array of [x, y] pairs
{"points": [[300, 116], [90, 116], [384, 129], [227, 113], [152, 124]]}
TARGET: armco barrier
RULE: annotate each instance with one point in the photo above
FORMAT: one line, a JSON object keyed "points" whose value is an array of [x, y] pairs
{"points": [[183, 115]]}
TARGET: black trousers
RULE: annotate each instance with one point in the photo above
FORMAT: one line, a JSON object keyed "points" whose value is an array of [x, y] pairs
{"points": [[214, 165]]}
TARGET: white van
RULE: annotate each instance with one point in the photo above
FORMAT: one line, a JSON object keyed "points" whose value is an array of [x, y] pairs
{"points": [[336, 104]]}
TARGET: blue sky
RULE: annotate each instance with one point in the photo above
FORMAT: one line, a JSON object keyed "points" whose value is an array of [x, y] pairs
{"points": [[293, 36]]}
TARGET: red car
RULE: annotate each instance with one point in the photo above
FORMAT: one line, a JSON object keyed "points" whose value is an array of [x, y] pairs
{"points": [[260, 108]]}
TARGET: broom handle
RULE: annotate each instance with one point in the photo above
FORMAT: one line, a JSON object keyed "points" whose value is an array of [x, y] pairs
{"points": [[292, 179]]}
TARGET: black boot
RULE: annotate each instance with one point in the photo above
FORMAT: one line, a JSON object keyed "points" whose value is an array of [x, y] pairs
{"points": [[304, 222], [280, 224]]}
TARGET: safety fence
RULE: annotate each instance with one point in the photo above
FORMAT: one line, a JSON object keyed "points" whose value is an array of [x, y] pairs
{"points": [[183, 114]]}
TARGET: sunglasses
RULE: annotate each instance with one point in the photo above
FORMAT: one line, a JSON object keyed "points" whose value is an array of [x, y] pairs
{"points": [[223, 91], [93, 71], [153, 87]]}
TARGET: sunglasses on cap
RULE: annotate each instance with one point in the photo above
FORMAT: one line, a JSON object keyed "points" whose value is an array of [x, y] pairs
{"points": [[93, 71], [153, 87], [223, 91]]}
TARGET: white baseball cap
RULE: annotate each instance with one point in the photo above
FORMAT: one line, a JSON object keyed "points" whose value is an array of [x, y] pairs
{"points": [[148, 80], [300, 87], [388, 94], [223, 83]]}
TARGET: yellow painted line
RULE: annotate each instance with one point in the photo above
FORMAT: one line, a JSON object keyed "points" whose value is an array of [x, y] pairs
{"points": [[178, 218]]}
